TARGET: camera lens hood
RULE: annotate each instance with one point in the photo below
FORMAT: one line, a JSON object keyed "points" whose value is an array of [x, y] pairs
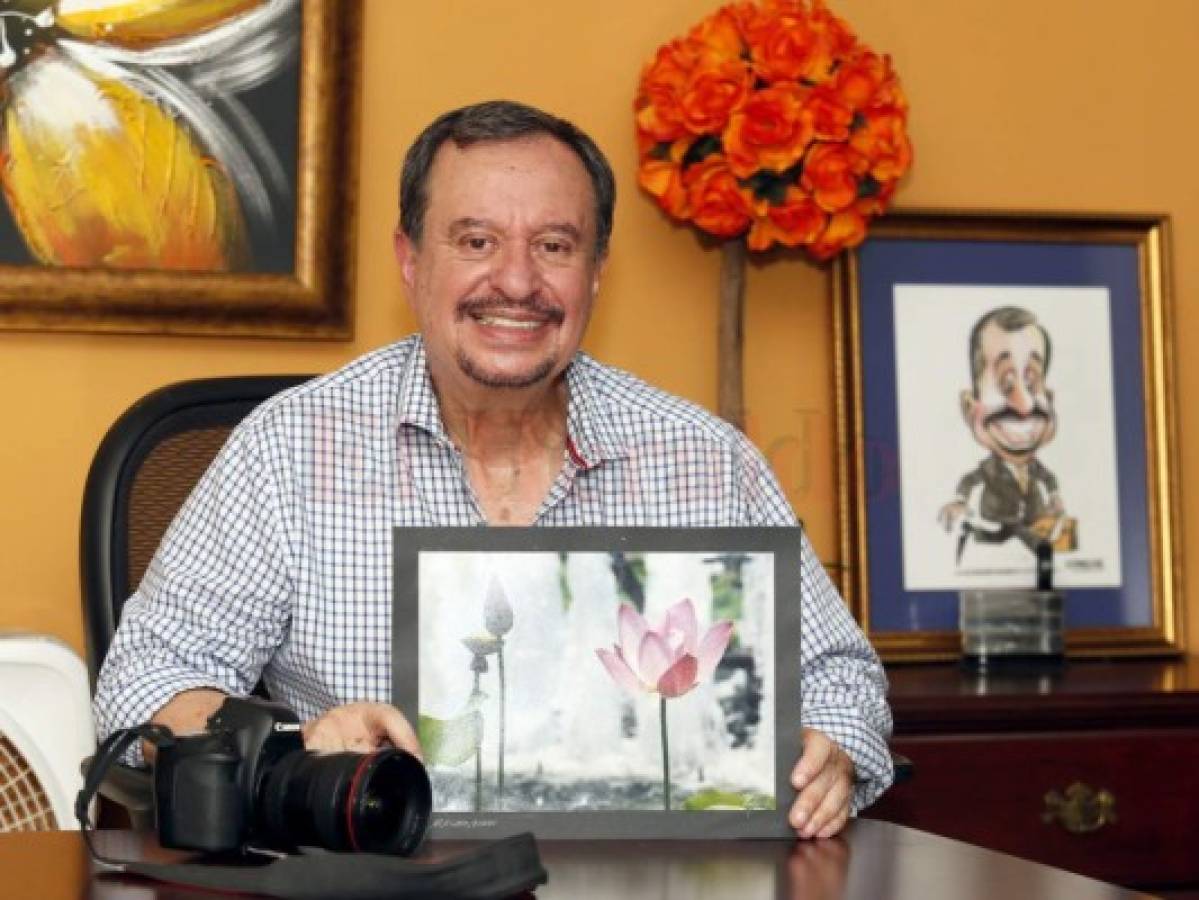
{"points": [[389, 802], [376, 802]]}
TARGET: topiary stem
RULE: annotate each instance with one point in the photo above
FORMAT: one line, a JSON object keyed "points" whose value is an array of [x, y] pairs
{"points": [[730, 333]]}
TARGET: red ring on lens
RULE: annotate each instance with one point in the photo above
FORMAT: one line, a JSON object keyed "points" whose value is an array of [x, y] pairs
{"points": [[351, 799]]}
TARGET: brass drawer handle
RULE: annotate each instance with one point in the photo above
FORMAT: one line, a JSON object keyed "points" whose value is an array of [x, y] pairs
{"points": [[1083, 809]]}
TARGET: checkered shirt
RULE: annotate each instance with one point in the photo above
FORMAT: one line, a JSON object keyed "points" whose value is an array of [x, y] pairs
{"points": [[279, 564]]}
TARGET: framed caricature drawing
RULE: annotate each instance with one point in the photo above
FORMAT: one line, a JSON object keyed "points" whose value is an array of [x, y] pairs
{"points": [[1005, 382]]}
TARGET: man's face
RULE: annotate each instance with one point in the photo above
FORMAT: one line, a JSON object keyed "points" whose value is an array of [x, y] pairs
{"points": [[505, 274], [1012, 414]]}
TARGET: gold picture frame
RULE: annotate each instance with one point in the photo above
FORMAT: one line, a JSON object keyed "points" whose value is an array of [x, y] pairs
{"points": [[929, 267], [306, 291]]}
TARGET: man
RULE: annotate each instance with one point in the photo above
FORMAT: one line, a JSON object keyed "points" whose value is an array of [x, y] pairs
{"points": [[1010, 412], [279, 563]]}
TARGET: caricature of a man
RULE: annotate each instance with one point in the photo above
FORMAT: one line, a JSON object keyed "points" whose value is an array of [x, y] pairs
{"points": [[1009, 411]]}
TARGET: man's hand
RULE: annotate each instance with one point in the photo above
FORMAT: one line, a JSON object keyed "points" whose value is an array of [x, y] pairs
{"points": [[185, 713], [824, 779], [360, 727]]}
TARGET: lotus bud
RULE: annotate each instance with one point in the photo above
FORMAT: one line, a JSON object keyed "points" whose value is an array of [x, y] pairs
{"points": [[497, 611]]}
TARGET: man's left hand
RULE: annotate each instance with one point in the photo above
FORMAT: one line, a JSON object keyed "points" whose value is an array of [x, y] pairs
{"points": [[824, 779]]}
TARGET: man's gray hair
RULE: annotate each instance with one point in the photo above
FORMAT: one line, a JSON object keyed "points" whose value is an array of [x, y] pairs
{"points": [[500, 120], [1008, 318]]}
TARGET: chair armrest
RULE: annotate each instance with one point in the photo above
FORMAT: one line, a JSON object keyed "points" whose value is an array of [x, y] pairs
{"points": [[131, 788], [904, 768]]}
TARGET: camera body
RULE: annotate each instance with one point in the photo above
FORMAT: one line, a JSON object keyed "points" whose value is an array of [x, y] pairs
{"points": [[248, 781], [205, 784]]}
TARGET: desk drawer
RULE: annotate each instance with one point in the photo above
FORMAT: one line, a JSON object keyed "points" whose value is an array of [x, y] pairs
{"points": [[991, 790]]}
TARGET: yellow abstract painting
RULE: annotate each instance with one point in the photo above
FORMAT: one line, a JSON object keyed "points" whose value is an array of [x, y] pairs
{"points": [[125, 143]]}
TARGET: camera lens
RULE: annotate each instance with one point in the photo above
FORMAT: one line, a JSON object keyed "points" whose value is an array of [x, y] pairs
{"points": [[373, 803]]}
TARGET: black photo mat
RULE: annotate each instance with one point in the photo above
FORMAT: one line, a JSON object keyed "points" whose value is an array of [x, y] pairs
{"points": [[596, 683]]}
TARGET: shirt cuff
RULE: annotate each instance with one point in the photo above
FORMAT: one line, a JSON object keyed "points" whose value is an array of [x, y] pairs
{"points": [[146, 695], [874, 771]]}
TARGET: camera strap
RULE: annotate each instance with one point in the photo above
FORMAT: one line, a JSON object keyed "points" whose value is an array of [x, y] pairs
{"points": [[491, 871]]}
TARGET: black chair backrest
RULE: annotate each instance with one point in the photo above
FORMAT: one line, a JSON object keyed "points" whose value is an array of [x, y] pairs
{"points": [[144, 469]]}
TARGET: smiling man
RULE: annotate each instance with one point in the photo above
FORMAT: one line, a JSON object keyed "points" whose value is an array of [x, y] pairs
{"points": [[279, 565], [1010, 412]]}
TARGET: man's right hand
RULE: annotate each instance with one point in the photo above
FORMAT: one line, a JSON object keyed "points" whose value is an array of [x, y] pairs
{"points": [[361, 728], [185, 713]]}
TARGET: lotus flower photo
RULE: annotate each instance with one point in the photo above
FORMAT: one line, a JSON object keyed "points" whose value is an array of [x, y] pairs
{"points": [[669, 661], [543, 680]]}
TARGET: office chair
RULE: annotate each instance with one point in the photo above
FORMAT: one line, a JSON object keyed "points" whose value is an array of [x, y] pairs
{"points": [[143, 470], [45, 730]]}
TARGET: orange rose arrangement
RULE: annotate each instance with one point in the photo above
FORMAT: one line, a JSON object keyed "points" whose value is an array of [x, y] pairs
{"points": [[770, 121]]}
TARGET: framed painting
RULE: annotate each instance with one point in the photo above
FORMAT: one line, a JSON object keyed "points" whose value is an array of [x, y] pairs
{"points": [[601, 682], [179, 167], [1005, 381]]}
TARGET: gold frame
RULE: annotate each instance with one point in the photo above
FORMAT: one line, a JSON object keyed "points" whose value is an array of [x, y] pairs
{"points": [[313, 301], [1150, 235]]}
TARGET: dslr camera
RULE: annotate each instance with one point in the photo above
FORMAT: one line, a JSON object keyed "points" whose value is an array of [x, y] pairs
{"points": [[248, 782]]}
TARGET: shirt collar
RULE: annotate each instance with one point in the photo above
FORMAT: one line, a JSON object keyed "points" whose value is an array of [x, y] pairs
{"points": [[591, 438], [590, 427], [417, 400]]}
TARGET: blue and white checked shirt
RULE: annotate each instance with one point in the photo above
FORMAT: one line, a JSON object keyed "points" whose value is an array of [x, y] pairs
{"points": [[279, 564]]}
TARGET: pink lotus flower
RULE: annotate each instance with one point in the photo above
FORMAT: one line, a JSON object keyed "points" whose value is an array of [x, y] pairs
{"points": [[669, 660]]}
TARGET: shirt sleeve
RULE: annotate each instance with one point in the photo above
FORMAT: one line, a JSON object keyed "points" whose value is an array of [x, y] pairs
{"points": [[968, 483], [842, 682], [214, 602]]}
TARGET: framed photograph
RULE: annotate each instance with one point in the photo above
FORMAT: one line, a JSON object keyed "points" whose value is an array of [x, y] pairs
{"points": [[601, 682], [1004, 381], [180, 171]]}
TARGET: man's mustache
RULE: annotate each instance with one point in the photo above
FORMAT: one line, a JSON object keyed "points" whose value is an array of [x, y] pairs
{"points": [[534, 305], [1007, 413]]}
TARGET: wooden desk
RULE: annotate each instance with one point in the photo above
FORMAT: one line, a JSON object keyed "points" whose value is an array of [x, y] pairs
{"points": [[988, 751], [872, 861]]}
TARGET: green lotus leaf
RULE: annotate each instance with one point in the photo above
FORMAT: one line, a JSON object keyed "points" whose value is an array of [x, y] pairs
{"points": [[712, 798], [451, 742]]}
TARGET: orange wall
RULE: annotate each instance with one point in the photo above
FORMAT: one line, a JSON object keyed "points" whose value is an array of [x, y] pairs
{"points": [[1026, 104]]}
